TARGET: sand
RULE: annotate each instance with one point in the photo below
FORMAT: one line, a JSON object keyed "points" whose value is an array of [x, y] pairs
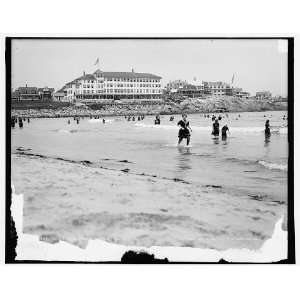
{"points": [[114, 205]]}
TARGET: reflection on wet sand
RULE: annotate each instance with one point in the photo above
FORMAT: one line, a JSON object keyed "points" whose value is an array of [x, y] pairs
{"points": [[184, 158]]}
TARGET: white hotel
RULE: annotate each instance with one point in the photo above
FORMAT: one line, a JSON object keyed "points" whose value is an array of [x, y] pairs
{"points": [[113, 85]]}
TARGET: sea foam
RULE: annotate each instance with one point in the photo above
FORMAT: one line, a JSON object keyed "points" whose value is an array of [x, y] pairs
{"points": [[282, 130], [273, 166]]}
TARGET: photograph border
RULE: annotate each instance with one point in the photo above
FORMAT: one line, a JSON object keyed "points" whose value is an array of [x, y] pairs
{"points": [[10, 231]]}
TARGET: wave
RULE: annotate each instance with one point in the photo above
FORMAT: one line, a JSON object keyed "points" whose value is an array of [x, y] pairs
{"points": [[99, 121], [68, 130], [282, 130], [273, 166], [268, 165]]}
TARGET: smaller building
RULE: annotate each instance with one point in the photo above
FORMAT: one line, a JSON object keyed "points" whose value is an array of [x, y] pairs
{"points": [[218, 88], [61, 94], [26, 93], [263, 95], [46, 94], [32, 93], [190, 90], [239, 93], [175, 84]]}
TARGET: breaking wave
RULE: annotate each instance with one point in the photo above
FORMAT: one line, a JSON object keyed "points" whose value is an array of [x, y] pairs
{"points": [[268, 165], [273, 166], [100, 121], [282, 130]]}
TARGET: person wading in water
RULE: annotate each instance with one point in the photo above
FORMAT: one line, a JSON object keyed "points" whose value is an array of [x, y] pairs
{"points": [[184, 131], [216, 128], [267, 129]]}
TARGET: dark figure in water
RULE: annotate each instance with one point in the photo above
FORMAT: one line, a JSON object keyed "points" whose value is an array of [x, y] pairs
{"points": [[28, 120], [77, 120], [213, 117], [171, 118], [139, 118], [20, 123], [103, 121], [216, 128], [13, 122], [157, 120], [133, 118], [184, 131], [128, 119], [224, 132], [219, 118], [267, 129]]}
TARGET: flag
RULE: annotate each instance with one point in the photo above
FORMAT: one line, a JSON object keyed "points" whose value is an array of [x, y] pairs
{"points": [[232, 78], [97, 61]]}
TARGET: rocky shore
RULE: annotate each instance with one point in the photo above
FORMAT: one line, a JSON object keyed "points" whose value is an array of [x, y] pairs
{"points": [[195, 105]]}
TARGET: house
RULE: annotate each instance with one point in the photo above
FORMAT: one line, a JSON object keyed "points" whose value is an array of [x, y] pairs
{"points": [[263, 95]]}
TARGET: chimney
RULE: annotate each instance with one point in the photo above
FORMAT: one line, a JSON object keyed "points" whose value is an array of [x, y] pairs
{"points": [[132, 70], [83, 73], [26, 85]]}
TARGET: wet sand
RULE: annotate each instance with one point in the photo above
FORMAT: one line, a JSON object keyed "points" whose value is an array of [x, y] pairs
{"points": [[135, 209]]}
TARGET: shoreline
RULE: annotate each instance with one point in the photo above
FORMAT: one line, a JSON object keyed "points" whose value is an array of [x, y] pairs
{"points": [[92, 114], [216, 105]]}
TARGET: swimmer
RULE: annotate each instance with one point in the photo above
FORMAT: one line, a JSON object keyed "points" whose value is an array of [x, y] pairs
{"points": [[184, 131], [133, 118], [267, 129], [219, 118], [68, 121], [224, 132], [103, 121], [216, 129], [157, 120], [213, 118], [20, 123]]}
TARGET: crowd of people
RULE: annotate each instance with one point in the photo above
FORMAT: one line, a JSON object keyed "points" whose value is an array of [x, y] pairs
{"points": [[185, 129]]}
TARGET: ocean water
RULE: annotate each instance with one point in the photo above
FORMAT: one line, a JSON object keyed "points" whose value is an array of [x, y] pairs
{"points": [[128, 181]]}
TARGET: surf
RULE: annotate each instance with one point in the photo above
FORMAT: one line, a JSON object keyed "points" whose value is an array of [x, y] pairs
{"points": [[273, 166]]}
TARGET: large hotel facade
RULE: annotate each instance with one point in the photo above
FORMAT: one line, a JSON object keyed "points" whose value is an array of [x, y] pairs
{"points": [[113, 85]]}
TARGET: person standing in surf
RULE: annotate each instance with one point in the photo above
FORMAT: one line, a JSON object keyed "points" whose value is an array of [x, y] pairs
{"points": [[216, 128], [267, 129], [224, 132], [184, 131]]}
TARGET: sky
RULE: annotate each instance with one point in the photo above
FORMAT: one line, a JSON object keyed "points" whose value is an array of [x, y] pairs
{"points": [[257, 65]]}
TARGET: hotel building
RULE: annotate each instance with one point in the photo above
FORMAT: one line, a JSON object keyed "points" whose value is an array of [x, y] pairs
{"points": [[113, 85]]}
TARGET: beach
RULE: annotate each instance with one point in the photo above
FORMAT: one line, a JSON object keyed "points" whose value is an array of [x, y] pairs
{"points": [[128, 183]]}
